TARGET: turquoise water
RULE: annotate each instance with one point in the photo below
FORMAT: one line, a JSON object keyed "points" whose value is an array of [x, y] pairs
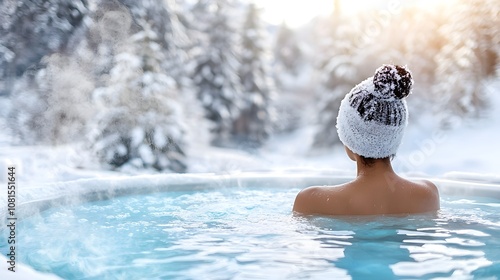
{"points": [[250, 233]]}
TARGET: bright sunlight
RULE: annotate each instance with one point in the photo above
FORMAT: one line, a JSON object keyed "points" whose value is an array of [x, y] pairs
{"points": [[299, 12], [294, 13]]}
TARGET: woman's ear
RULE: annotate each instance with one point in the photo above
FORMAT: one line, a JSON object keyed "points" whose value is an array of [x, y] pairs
{"points": [[350, 153]]}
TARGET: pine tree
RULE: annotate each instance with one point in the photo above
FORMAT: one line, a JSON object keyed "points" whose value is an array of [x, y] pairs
{"points": [[471, 54], [350, 50], [141, 121], [110, 26], [215, 73], [178, 64], [287, 52], [32, 29], [179, 43], [253, 125], [338, 66], [39, 81]]}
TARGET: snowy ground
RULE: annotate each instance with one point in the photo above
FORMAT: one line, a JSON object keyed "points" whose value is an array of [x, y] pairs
{"points": [[469, 152]]}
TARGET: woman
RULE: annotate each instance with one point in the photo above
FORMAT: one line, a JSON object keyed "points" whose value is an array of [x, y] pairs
{"points": [[370, 124]]}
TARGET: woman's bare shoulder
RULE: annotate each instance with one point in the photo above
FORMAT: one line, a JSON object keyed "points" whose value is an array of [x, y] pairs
{"points": [[428, 192], [316, 199], [427, 185], [303, 200]]}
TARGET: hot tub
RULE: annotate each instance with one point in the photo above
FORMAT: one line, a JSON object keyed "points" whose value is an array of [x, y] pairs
{"points": [[240, 226]]}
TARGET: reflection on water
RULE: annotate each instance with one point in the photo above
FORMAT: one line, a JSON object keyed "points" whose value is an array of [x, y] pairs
{"points": [[250, 233], [458, 241]]}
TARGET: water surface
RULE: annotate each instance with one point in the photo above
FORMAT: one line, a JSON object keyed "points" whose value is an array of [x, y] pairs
{"points": [[243, 233]]}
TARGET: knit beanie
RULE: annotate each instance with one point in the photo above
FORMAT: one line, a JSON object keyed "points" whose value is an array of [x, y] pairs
{"points": [[373, 115]]}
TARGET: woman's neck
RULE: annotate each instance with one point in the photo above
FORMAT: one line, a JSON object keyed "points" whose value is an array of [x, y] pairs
{"points": [[379, 167]]}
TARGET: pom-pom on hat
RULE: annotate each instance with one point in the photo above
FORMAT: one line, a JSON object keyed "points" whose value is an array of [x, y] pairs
{"points": [[373, 115]]}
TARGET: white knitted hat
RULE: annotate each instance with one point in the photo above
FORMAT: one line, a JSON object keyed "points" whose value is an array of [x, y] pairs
{"points": [[373, 115]]}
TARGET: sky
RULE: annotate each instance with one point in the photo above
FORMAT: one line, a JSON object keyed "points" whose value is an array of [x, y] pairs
{"points": [[294, 12], [299, 12]]}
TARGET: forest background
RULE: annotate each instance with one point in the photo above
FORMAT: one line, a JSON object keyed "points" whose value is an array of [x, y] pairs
{"points": [[158, 86]]}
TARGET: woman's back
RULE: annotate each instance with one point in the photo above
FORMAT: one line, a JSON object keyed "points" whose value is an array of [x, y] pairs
{"points": [[397, 196], [369, 197]]}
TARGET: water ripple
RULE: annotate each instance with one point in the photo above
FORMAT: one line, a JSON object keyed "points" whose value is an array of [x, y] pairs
{"points": [[247, 233]]}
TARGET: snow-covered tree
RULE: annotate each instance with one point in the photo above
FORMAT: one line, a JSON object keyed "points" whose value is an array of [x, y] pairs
{"points": [[163, 18], [351, 48], [287, 53], [215, 74], [179, 44], [51, 105], [471, 53], [141, 120], [339, 64], [253, 125], [30, 30], [110, 25]]}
